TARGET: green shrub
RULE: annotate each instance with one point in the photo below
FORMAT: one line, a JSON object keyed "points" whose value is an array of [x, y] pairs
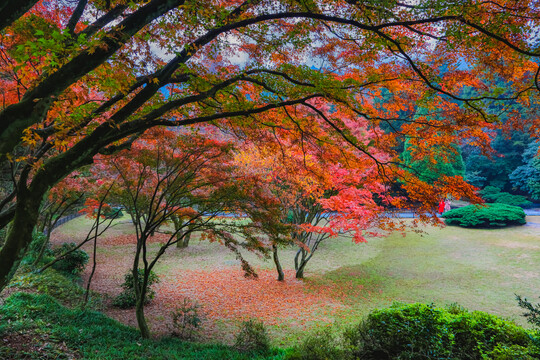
{"points": [[532, 313], [408, 332], [514, 352], [127, 298], [186, 320], [252, 338], [321, 345], [3, 234], [515, 200], [489, 190], [72, 263], [488, 216], [493, 194], [422, 331]]}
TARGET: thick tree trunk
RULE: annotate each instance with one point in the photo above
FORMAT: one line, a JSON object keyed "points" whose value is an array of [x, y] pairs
{"points": [[182, 237], [187, 237], [279, 269], [19, 234]]}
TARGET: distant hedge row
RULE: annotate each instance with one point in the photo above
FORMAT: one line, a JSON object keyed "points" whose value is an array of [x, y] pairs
{"points": [[485, 216]]}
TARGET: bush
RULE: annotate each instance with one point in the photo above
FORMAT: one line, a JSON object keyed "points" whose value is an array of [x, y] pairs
{"points": [[322, 345], [127, 298], [488, 216], [489, 190], [493, 194], [409, 332], [72, 263], [515, 200], [253, 338], [420, 331], [186, 320]]}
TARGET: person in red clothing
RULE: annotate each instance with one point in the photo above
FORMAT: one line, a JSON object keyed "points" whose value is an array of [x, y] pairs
{"points": [[441, 206]]}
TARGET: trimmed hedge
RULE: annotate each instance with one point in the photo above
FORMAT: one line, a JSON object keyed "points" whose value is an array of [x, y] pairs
{"points": [[485, 216]]}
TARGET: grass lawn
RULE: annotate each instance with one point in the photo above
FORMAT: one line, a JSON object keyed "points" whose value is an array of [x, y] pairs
{"points": [[479, 269]]}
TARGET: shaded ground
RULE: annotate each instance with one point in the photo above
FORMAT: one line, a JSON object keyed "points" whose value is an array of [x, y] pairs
{"points": [[480, 269]]}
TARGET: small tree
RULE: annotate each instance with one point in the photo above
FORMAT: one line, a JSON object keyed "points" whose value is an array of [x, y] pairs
{"points": [[188, 178], [320, 196]]}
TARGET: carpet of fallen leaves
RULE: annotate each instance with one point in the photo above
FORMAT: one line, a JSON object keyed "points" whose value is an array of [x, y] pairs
{"points": [[225, 295]]}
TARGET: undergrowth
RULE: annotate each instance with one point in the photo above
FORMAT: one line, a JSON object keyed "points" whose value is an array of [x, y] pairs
{"points": [[92, 335]]}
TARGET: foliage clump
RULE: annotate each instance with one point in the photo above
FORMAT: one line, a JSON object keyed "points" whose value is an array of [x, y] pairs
{"points": [[73, 262], [38, 242], [252, 338], [321, 345], [126, 299], [186, 320], [493, 194], [420, 331], [488, 216]]}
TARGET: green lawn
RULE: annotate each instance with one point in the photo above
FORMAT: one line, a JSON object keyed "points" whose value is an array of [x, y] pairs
{"points": [[479, 269]]}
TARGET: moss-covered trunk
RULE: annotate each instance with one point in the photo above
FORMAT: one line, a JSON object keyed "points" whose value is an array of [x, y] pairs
{"points": [[19, 234]]}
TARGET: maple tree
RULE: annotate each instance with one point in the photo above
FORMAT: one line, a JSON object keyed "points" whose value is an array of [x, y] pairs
{"points": [[322, 194], [87, 79], [189, 180]]}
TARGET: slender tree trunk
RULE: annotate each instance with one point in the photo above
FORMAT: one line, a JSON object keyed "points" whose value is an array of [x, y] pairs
{"points": [[279, 269], [94, 263], [141, 320], [300, 262], [300, 270], [19, 234]]}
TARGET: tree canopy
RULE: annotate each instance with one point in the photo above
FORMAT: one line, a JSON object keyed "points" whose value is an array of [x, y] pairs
{"points": [[88, 77]]}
